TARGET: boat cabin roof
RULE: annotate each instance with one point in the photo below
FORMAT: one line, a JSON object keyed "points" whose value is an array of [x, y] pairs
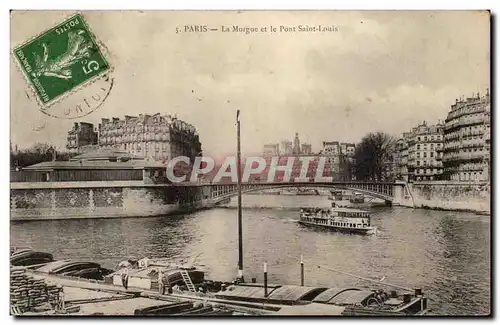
{"points": [[312, 309], [350, 297], [348, 210], [276, 292], [292, 292], [336, 209], [345, 296], [328, 294], [247, 292], [151, 271], [59, 265]]}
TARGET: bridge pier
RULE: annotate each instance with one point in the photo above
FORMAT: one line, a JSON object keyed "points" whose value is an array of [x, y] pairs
{"points": [[401, 194]]}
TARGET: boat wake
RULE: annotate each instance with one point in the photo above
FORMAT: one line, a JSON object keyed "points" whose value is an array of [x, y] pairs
{"points": [[376, 232]]}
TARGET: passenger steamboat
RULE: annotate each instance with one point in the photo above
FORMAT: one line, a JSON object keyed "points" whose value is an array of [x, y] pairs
{"points": [[336, 218]]}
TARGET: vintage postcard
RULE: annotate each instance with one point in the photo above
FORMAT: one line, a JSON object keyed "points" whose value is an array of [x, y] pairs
{"points": [[257, 163]]}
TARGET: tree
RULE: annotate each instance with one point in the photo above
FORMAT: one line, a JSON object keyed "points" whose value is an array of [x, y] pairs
{"points": [[41, 148], [37, 153], [373, 157]]}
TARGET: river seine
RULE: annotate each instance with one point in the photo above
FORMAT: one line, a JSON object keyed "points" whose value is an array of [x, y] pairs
{"points": [[445, 253]]}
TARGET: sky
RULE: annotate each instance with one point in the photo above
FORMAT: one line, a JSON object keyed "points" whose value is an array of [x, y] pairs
{"points": [[379, 71]]}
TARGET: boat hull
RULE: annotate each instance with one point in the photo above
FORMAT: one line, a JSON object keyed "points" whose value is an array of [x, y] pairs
{"points": [[28, 258], [361, 231]]}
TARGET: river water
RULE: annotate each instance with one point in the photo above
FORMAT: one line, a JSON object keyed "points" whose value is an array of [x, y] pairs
{"points": [[445, 253]]}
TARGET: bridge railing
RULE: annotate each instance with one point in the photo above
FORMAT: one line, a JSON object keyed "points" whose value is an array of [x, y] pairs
{"points": [[289, 182]]}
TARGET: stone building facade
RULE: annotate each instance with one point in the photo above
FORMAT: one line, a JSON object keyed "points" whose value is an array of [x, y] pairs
{"points": [[467, 140], [334, 167], [285, 147], [419, 153], [401, 157], [306, 149], [81, 135], [271, 149], [156, 137]]}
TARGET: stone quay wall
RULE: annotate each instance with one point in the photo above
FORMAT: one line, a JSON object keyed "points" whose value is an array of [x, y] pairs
{"points": [[450, 195], [66, 200]]}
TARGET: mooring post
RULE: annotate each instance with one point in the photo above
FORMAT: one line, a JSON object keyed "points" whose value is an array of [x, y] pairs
{"points": [[265, 279], [301, 270]]}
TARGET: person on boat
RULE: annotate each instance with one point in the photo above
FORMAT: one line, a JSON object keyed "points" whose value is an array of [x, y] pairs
{"points": [[161, 286], [124, 264], [163, 282], [143, 263], [125, 279], [133, 262]]}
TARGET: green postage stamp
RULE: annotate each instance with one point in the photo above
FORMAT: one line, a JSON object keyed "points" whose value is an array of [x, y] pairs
{"points": [[61, 59]]}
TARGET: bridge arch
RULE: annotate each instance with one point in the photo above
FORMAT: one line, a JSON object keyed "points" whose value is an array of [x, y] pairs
{"points": [[382, 191]]}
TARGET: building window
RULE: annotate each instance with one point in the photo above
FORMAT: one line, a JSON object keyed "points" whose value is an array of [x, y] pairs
{"points": [[432, 145], [418, 162], [419, 138], [418, 146], [432, 153]]}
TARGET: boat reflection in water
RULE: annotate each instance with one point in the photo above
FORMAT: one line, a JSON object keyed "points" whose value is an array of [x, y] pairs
{"points": [[339, 219]]}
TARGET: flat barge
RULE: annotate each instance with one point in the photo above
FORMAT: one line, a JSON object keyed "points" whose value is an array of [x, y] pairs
{"points": [[156, 288]]}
